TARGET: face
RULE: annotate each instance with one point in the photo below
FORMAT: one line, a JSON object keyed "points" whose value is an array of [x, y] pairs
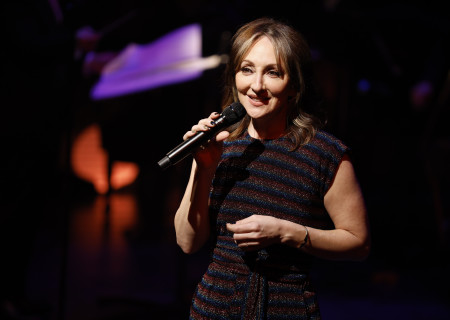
{"points": [[263, 88]]}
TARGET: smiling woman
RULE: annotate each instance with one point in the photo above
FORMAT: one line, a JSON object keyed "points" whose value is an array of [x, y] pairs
{"points": [[290, 62], [272, 192], [264, 90]]}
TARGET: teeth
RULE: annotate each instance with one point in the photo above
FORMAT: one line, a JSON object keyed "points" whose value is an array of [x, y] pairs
{"points": [[258, 99]]}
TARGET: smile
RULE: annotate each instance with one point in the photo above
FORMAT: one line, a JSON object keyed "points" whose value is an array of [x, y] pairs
{"points": [[258, 100]]}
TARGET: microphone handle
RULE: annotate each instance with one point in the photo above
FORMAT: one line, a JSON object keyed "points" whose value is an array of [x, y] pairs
{"points": [[186, 147], [183, 149]]}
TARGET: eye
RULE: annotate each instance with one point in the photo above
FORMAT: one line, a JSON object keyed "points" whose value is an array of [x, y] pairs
{"points": [[246, 70], [274, 73]]}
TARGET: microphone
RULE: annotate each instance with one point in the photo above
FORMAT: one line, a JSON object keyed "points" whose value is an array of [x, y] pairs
{"points": [[230, 115]]}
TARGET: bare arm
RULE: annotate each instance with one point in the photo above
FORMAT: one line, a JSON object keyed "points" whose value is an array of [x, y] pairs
{"points": [[350, 240], [345, 204], [191, 219]]}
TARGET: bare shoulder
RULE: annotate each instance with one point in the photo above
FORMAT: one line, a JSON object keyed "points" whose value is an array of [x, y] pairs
{"points": [[344, 197]]}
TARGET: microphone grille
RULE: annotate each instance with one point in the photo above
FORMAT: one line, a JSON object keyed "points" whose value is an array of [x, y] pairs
{"points": [[234, 112]]}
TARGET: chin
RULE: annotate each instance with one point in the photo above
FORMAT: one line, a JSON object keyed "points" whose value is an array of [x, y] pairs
{"points": [[256, 113]]}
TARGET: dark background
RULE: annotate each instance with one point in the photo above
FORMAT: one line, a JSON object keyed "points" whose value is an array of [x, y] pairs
{"points": [[70, 253]]}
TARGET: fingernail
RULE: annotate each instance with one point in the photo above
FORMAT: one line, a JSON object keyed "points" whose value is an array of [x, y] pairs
{"points": [[213, 122]]}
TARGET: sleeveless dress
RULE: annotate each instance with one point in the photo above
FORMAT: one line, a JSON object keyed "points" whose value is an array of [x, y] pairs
{"points": [[264, 177]]}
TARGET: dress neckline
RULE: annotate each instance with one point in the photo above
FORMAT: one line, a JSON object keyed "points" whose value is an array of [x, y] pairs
{"points": [[263, 141]]}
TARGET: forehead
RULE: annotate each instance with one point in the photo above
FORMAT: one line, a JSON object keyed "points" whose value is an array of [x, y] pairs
{"points": [[262, 50]]}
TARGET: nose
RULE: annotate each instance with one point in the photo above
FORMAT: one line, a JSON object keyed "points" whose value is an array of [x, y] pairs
{"points": [[258, 83]]}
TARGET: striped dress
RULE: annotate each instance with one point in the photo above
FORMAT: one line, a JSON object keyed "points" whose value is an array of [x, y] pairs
{"points": [[265, 178]]}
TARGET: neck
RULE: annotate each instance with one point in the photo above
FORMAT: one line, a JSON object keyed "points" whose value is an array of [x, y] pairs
{"points": [[261, 131]]}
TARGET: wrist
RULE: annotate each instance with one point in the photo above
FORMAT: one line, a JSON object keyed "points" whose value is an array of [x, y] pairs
{"points": [[294, 234], [305, 239], [202, 170]]}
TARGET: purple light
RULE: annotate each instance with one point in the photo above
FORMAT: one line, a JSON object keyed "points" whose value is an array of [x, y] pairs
{"points": [[173, 58]]}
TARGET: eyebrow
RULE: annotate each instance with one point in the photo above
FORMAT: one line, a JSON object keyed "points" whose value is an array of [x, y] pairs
{"points": [[269, 65]]}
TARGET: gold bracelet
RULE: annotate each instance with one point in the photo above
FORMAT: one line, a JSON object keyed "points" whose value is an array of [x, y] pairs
{"points": [[305, 241]]}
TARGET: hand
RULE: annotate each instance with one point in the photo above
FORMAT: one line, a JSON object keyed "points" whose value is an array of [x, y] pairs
{"points": [[208, 154], [255, 232]]}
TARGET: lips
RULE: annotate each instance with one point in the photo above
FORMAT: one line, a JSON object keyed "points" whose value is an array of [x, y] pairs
{"points": [[258, 101]]}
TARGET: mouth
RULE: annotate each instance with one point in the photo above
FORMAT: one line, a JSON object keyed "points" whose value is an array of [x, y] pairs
{"points": [[257, 101]]}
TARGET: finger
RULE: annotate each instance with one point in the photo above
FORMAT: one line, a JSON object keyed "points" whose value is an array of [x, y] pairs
{"points": [[203, 125], [199, 127], [221, 136], [231, 227], [237, 228], [241, 226], [214, 115], [248, 246], [188, 135], [196, 128], [209, 122], [242, 237], [245, 220]]}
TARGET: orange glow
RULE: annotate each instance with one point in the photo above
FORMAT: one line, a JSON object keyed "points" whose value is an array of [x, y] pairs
{"points": [[90, 162], [123, 174], [101, 251]]}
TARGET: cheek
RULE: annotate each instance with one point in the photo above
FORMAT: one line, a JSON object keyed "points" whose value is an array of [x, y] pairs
{"points": [[281, 91], [240, 82]]}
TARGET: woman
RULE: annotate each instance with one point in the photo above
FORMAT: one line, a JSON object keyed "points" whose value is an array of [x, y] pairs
{"points": [[272, 192]]}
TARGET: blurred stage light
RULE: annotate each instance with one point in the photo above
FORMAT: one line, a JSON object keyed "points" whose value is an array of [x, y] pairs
{"points": [[89, 162], [173, 58]]}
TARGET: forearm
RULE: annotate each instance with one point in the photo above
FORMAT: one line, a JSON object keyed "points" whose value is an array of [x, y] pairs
{"points": [[335, 244], [191, 219]]}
